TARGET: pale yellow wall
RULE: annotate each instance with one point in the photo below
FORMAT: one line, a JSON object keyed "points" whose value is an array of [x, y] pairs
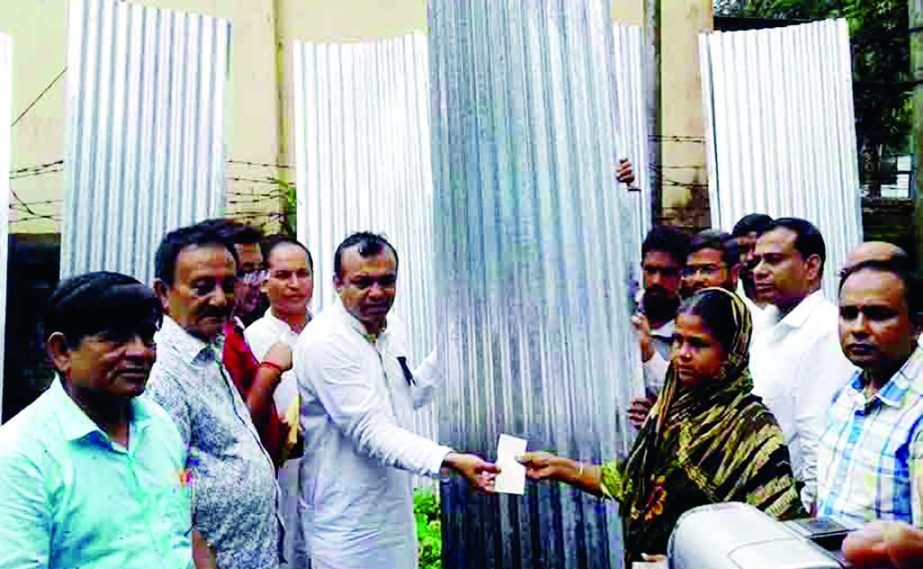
{"points": [[39, 54], [628, 12], [685, 191]]}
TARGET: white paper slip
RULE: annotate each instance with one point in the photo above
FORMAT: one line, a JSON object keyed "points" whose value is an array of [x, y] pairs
{"points": [[512, 477]]}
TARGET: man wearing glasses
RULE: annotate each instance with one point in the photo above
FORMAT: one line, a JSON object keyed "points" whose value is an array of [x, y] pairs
{"points": [[235, 495], [711, 262]]}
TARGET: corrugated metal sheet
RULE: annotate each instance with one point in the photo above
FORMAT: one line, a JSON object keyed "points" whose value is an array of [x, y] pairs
{"points": [[363, 164], [6, 103], [781, 132], [632, 127], [145, 131], [534, 243]]}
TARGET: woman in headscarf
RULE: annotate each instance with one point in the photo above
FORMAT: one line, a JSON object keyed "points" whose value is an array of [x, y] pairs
{"points": [[706, 440]]}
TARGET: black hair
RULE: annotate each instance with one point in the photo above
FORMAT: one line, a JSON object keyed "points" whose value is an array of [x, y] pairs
{"points": [[715, 307], [808, 240], [751, 223], [200, 234], [274, 241], [234, 231], [718, 240], [899, 266], [667, 239], [370, 244], [101, 301]]}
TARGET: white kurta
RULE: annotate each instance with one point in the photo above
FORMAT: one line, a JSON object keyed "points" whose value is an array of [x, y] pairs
{"points": [[260, 336], [360, 450], [797, 367]]}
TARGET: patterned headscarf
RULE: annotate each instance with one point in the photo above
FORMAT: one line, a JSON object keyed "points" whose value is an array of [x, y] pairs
{"points": [[716, 433]]}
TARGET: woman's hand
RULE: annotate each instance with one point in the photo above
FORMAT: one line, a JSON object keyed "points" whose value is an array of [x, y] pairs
{"points": [[543, 465], [546, 466]]}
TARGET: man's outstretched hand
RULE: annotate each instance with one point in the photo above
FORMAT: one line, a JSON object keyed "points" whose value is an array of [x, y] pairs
{"points": [[479, 473]]}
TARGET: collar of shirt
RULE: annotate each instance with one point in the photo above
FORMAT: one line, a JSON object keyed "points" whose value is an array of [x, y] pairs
{"points": [[894, 393], [801, 313], [280, 324], [665, 331], [172, 336], [76, 425], [354, 323]]}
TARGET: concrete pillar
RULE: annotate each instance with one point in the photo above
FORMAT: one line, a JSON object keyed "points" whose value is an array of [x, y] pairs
{"points": [[684, 195]]}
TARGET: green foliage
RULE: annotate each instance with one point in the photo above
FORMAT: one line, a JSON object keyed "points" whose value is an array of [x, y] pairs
{"points": [[429, 528], [881, 66], [289, 207]]}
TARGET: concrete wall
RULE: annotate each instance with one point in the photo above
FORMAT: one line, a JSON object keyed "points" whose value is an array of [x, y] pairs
{"points": [[684, 198]]}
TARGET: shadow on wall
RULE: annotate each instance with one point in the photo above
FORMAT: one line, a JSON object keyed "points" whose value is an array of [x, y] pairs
{"points": [[32, 273], [685, 199]]}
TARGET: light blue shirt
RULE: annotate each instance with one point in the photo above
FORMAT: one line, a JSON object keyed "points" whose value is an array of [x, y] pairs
{"points": [[70, 497]]}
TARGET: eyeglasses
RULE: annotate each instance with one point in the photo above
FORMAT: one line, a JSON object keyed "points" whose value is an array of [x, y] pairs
{"points": [[255, 276], [704, 270]]}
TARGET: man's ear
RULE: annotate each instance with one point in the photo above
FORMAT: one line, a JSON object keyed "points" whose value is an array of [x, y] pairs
{"points": [[264, 285], [160, 288], [58, 352], [814, 268], [338, 283], [734, 276]]}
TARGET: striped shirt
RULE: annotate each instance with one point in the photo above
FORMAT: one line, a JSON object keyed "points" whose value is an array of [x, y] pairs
{"points": [[870, 457]]}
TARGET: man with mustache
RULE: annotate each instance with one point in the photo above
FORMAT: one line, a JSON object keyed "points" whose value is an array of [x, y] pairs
{"points": [[795, 360], [663, 255], [870, 457], [712, 262], [255, 380], [235, 499], [358, 397], [289, 286], [91, 473]]}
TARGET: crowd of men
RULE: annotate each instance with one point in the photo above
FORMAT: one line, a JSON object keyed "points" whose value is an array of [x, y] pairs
{"points": [[844, 382], [215, 422]]}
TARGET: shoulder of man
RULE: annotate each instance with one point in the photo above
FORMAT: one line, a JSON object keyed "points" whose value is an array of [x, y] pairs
{"points": [[28, 433]]}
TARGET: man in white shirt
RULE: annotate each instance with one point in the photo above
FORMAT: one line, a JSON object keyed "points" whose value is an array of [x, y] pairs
{"points": [[289, 286], [358, 397], [796, 360]]}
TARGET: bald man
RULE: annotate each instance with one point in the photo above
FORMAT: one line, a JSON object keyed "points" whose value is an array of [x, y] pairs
{"points": [[874, 251], [877, 251]]}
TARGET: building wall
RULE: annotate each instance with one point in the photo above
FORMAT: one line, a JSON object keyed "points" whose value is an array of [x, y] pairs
{"points": [[259, 96], [39, 56]]}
